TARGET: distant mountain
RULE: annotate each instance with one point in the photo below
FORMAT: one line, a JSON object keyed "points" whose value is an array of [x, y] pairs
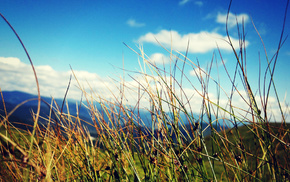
{"points": [[23, 115], [16, 97]]}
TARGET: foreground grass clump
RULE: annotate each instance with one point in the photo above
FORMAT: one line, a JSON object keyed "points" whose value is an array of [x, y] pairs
{"points": [[244, 143], [125, 152]]}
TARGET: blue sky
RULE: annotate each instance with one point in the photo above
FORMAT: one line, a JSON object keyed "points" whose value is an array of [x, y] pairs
{"points": [[89, 36]]}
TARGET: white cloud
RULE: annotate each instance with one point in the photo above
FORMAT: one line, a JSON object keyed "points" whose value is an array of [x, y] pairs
{"points": [[159, 58], [232, 19], [198, 3], [132, 23], [198, 72], [262, 28], [183, 2], [201, 42], [16, 75], [11, 62], [195, 98]]}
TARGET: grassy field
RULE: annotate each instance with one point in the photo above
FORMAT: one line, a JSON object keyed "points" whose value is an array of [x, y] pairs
{"points": [[76, 157], [253, 147]]}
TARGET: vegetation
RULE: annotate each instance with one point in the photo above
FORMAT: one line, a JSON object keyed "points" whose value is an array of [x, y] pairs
{"points": [[254, 148]]}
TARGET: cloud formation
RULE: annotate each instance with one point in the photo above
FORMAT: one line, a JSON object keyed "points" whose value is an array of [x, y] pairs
{"points": [[198, 3], [16, 75], [198, 72], [132, 23], [232, 19], [159, 58], [183, 2], [201, 42]]}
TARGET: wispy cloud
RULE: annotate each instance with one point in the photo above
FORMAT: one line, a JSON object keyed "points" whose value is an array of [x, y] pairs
{"points": [[132, 23], [198, 72], [198, 3], [232, 19], [201, 42], [183, 2], [159, 58]]}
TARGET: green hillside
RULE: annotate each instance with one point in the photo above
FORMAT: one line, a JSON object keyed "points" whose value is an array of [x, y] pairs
{"points": [[248, 145]]}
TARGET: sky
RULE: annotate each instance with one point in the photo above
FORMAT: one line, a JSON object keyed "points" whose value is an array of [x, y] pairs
{"points": [[91, 37]]}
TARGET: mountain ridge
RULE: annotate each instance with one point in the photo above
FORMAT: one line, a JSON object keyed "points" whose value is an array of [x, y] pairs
{"points": [[23, 115]]}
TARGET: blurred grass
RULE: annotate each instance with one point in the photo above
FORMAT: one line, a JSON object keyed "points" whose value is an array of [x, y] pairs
{"points": [[250, 147], [73, 162]]}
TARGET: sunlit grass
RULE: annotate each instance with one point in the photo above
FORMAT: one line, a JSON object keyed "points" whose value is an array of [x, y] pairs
{"points": [[173, 147]]}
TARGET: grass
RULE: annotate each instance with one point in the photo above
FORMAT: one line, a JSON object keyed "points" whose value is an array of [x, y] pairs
{"points": [[252, 148]]}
